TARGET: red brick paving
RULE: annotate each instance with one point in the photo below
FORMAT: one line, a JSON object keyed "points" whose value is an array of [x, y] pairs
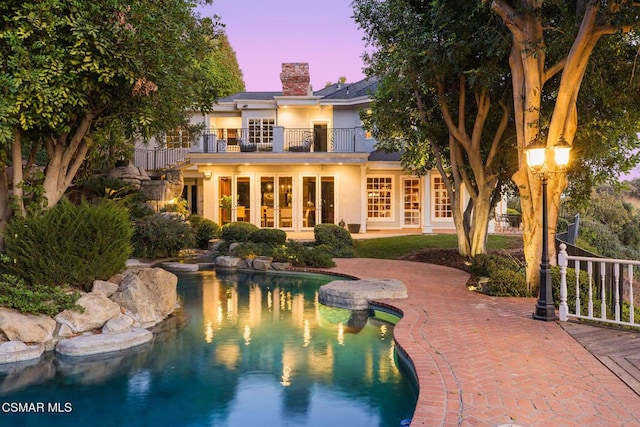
{"points": [[483, 361]]}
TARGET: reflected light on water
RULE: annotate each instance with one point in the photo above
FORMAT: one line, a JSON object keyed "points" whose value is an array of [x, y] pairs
{"points": [[306, 334], [340, 334], [246, 334], [286, 376], [383, 332], [138, 385], [208, 332]]}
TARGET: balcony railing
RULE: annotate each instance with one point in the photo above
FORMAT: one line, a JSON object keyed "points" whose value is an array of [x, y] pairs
{"points": [[153, 159], [279, 139], [276, 139]]}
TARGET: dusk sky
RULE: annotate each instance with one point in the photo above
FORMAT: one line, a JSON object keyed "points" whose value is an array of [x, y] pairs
{"points": [[265, 34]]}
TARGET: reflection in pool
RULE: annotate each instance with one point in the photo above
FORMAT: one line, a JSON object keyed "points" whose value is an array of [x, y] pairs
{"points": [[247, 350]]}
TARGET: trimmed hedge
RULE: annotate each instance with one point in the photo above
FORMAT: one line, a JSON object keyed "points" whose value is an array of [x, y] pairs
{"points": [[270, 236], [336, 238], [237, 231], [204, 230], [69, 244]]}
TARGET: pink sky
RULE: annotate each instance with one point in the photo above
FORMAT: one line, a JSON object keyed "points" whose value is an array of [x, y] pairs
{"points": [[265, 34]]}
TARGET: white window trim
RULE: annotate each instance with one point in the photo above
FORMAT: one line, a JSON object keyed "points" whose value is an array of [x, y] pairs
{"points": [[434, 206], [265, 136], [392, 199]]}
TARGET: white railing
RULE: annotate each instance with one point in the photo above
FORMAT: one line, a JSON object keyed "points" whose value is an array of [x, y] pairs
{"points": [[608, 288], [159, 158]]}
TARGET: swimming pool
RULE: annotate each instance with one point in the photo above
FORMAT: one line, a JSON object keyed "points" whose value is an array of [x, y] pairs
{"points": [[247, 350]]}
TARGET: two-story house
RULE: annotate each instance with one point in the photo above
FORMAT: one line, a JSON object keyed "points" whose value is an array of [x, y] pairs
{"points": [[295, 158]]}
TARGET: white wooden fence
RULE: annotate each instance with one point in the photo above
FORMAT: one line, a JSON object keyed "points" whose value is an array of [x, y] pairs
{"points": [[609, 288]]}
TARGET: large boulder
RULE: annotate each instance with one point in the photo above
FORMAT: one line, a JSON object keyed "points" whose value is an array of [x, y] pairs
{"points": [[98, 308], [131, 174], [262, 263], [17, 351], [90, 344], [105, 287], [229, 262], [28, 328], [148, 295], [356, 294], [118, 325], [180, 267]]}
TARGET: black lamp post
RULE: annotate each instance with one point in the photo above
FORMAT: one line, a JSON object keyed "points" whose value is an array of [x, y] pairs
{"points": [[536, 157]]}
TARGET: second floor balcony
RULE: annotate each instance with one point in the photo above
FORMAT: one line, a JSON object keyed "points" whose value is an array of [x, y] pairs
{"points": [[275, 139], [280, 140]]}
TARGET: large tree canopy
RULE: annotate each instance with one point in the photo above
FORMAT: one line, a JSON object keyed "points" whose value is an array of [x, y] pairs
{"points": [[74, 72], [573, 67], [444, 99]]}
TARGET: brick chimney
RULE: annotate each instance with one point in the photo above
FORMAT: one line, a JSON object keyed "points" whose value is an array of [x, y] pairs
{"points": [[295, 79]]}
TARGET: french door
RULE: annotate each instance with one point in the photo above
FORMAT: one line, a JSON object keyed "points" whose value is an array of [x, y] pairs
{"points": [[276, 201], [318, 201], [235, 199]]}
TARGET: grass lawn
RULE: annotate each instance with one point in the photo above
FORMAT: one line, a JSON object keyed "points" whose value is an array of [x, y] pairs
{"points": [[398, 246]]}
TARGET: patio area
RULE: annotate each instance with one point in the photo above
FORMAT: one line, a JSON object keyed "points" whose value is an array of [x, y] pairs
{"points": [[483, 361]]}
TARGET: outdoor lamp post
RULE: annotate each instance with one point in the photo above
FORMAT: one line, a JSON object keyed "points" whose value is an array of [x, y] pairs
{"points": [[536, 156]]}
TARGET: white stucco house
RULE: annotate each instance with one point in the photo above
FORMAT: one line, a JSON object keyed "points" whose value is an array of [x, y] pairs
{"points": [[294, 158]]}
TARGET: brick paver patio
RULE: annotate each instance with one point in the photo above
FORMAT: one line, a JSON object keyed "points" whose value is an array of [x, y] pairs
{"points": [[483, 361]]}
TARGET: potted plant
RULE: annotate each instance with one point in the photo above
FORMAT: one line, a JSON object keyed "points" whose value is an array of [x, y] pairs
{"points": [[225, 205]]}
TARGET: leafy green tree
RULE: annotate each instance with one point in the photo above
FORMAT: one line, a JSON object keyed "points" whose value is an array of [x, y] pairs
{"points": [[570, 61], [443, 98], [220, 73], [557, 50], [79, 77]]}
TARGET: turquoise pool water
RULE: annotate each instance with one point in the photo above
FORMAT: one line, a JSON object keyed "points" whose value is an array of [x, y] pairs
{"points": [[248, 350]]}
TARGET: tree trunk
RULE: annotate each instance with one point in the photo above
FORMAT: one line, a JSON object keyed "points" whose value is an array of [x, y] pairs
{"points": [[66, 155], [527, 62], [18, 178]]}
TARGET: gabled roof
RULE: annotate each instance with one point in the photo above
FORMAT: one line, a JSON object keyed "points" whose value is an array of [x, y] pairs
{"points": [[344, 91], [251, 96], [359, 89]]}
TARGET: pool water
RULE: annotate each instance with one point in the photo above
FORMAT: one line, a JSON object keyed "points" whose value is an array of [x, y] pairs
{"points": [[247, 350]]}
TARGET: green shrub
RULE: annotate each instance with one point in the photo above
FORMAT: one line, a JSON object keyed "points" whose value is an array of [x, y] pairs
{"points": [[296, 253], [507, 283], [162, 235], [293, 252], [103, 187], [36, 299], [204, 230], [250, 250], [282, 253], [506, 275], [337, 238], [270, 236], [237, 231], [483, 265], [316, 257], [69, 244]]}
